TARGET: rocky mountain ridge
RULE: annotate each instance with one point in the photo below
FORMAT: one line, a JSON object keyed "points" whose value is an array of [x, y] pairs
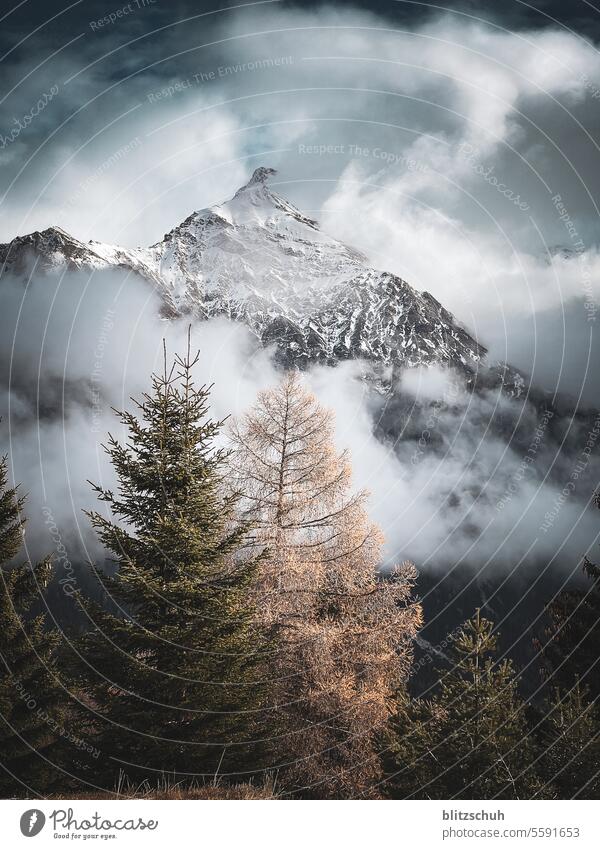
{"points": [[258, 260]]}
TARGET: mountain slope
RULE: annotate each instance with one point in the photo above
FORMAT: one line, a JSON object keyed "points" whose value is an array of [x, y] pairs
{"points": [[258, 260]]}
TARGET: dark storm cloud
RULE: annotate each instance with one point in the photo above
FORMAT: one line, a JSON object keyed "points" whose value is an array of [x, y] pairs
{"points": [[436, 143], [577, 15], [167, 108]]}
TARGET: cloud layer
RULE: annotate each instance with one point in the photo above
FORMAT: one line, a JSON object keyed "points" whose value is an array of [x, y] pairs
{"points": [[455, 479], [419, 145], [455, 153]]}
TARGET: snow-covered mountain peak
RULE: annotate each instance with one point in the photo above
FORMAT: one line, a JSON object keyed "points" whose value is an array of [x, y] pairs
{"points": [[255, 204], [259, 260], [260, 176]]}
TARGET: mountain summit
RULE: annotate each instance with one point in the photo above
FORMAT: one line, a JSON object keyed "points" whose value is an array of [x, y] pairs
{"points": [[260, 175], [259, 260]]}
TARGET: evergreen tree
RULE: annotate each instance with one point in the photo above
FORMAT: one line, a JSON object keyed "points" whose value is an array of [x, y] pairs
{"points": [[172, 677], [411, 762], [31, 712], [571, 743], [471, 741], [569, 646], [344, 633]]}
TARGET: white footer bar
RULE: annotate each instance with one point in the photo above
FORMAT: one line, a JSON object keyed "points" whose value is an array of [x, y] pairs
{"points": [[281, 824]]}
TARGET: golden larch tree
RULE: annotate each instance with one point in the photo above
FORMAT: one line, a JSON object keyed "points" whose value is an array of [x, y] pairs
{"points": [[343, 631]]}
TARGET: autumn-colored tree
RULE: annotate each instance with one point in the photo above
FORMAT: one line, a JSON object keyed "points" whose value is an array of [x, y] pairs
{"points": [[344, 632]]}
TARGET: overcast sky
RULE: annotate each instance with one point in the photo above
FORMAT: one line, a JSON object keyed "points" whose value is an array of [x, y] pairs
{"points": [[436, 141], [456, 147]]}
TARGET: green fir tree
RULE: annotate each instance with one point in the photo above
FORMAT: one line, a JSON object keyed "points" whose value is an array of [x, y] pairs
{"points": [[569, 647], [571, 744], [173, 678], [31, 702], [471, 740]]}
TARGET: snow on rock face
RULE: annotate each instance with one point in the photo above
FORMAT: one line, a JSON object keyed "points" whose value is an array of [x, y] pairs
{"points": [[258, 260], [261, 175]]}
